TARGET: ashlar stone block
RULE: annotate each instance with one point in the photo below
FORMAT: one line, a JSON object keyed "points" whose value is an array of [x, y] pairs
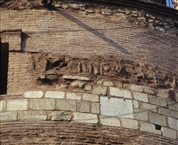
{"points": [[157, 119], [95, 108], [33, 94], [120, 93], [116, 107], [32, 115], [110, 121], [8, 116], [147, 127], [66, 105], [55, 94], [42, 104], [100, 90], [91, 97], [173, 123], [140, 96], [85, 117], [73, 96], [17, 104], [128, 123], [135, 88], [167, 132], [83, 107]]}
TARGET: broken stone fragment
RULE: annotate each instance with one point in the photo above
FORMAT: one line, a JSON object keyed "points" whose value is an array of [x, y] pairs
{"points": [[61, 116], [52, 77], [74, 77], [77, 84]]}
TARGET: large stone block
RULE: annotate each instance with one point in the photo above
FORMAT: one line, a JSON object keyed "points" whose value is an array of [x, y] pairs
{"points": [[32, 115], [110, 121], [60, 116], [116, 107], [135, 88], [74, 77], [33, 94], [140, 114], [168, 112], [100, 90], [108, 83], [120, 93], [95, 108], [173, 105], [55, 94], [42, 104], [157, 101], [128, 123], [173, 123], [140, 96], [8, 116], [17, 104], [90, 97], [147, 127], [163, 94], [67, 105], [83, 107], [157, 119], [73, 96], [148, 90], [169, 133], [85, 117], [148, 107]]}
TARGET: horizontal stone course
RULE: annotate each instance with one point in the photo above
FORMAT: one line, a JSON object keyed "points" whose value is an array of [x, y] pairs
{"points": [[32, 115], [17, 104]]}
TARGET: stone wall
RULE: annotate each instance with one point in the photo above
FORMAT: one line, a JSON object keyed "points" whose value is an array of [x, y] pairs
{"points": [[107, 103]]}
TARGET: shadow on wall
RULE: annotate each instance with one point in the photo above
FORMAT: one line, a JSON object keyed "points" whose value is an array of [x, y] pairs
{"points": [[93, 31], [24, 40]]}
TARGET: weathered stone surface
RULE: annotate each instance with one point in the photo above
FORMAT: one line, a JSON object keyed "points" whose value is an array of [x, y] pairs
{"points": [[128, 123], [83, 107], [73, 77], [116, 107], [42, 104], [33, 94], [55, 94], [85, 117], [140, 96], [108, 83], [168, 112], [118, 84], [147, 127], [148, 107], [8, 116], [67, 105], [120, 93], [140, 114], [95, 108], [163, 94], [61, 116], [135, 88], [173, 105], [148, 90], [73, 96], [88, 87], [78, 84], [90, 97], [17, 104], [110, 121], [173, 123], [100, 90], [135, 104], [157, 101], [2, 105], [32, 115], [157, 119], [169, 133]]}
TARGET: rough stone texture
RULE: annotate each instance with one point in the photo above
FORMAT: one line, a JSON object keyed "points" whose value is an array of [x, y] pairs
{"points": [[73, 96], [95, 108], [42, 104], [147, 127], [163, 94], [100, 90], [168, 112], [135, 104], [85, 117], [60, 116], [83, 106], [173, 123], [157, 119], [173, 105], [135, 88], [157, 101], [32, 115], [73, 77], [148, 90], [148, 107], [140, 96], [118, 84], [2, 105], [8, 116], [128, 123], [55, 94], [90, 97], [67, 105], [120, 93], [140, 114], [169, 133], [110, 121], [33, 94], [116, 107], [108, 83], [17, 104]]}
